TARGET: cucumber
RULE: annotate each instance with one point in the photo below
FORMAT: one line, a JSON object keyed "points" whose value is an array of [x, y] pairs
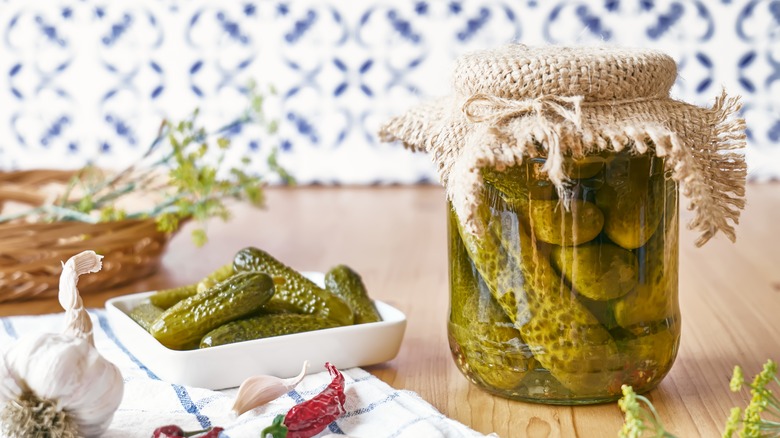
{"points": [[292, 287], [265, 326], [165, 299], [145, 314], [183, 325], [346, 284], [484, 341], [564, 336], [220, 274]]}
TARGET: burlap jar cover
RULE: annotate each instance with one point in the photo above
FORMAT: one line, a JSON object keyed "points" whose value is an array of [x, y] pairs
{"points": [[517, 101]]}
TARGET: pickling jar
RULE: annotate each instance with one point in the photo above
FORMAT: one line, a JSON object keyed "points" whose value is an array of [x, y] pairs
{"points": [[561, 167]]}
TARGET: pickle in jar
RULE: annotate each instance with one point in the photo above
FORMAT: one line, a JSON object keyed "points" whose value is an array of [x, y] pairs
{"points": [[632, 199], [597, 270], [655, 297], [562, 334], [483, 339]]}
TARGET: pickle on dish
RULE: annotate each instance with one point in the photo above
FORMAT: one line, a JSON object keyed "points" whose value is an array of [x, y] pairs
{"points": [[145, 314], [166, 298], [265, 326], [182, 326], [347, 284], [293, 288], [599, 270], [220, 274]]}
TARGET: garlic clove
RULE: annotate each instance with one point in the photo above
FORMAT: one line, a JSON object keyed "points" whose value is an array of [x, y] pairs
{"points": [[256, 391]]}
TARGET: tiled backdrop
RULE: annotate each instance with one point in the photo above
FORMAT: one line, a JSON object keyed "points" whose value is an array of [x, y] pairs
{"points": [[90, 80]]}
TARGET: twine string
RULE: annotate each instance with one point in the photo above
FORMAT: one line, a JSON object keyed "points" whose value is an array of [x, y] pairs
{"points": [[497, 111]]}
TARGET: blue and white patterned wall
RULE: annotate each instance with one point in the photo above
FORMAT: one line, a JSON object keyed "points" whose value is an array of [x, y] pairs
{"points": [[90, 80]]}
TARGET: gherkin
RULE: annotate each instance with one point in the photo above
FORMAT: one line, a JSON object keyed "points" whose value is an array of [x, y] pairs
{"points": [[145, 314], [648, 352], [265, 326], [565, 224], [632, 199], [612, 318], [347, 284], [487, 346], [655, 297], [599, 271], [293, 288], [220, 274], [182, 326], [563, 335], [166, 298]]}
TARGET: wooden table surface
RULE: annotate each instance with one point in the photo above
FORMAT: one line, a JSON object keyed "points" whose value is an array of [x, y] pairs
{"points": [[396, 238]]}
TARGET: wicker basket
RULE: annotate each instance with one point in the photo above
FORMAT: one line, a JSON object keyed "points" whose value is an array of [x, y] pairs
{"points": [[31, 253]]}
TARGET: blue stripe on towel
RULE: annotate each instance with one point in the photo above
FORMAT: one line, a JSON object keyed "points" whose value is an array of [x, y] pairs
{"points": [[333, 427], [372, 406], [297, 398], [106, 327], [9, 328], [189, 406]]}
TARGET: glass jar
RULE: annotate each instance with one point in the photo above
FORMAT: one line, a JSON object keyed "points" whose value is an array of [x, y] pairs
{"points": [[562, 302]]}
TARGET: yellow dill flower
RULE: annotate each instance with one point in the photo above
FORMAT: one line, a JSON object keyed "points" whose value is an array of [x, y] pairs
{"points": [[633, 426], [737, 379], [733, 422]]}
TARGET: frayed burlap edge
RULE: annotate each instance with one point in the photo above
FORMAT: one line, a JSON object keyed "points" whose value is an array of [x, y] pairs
{"points": [[702, 145]]}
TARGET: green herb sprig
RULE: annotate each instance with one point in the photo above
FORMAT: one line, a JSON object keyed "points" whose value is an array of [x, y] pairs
{"points": [[641, 418], [183, 170]]}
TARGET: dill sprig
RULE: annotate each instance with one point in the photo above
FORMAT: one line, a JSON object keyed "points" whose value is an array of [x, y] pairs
{"points": [[762, 402], [641, 418], [759, 419], [183, 171]]}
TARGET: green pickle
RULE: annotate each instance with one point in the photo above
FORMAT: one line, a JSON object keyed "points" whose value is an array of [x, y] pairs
{"points": [[264, 326], [632, 199], [145, 314], [563, 302], [554, 223], [182, 326], [655, 297], [220, 274], [165, 299], [598, 271], [484, 341], [299, 292], [346, 284]]}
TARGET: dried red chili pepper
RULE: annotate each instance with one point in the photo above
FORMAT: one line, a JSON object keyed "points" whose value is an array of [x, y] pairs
{"points": [[311, 417], [174, 431]]}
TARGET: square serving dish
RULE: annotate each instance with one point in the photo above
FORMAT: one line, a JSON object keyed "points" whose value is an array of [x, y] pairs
{"points": [[226, 366]]}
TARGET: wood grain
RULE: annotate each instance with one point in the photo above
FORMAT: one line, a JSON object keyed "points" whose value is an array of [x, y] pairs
{"points": [[396, 238]]}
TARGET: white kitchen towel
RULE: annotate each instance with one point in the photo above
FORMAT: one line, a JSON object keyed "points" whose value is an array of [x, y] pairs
{"points": [[373, 408]]}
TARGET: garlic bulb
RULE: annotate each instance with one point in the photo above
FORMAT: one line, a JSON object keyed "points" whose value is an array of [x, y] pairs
{"points": [[58, 384], [256, 391]]}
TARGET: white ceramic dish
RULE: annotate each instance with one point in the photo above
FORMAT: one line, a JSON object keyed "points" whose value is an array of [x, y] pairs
{"points": [[227, 366]]}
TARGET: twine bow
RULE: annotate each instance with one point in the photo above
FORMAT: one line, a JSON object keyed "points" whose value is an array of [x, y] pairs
{"points": [[498, 111]]}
